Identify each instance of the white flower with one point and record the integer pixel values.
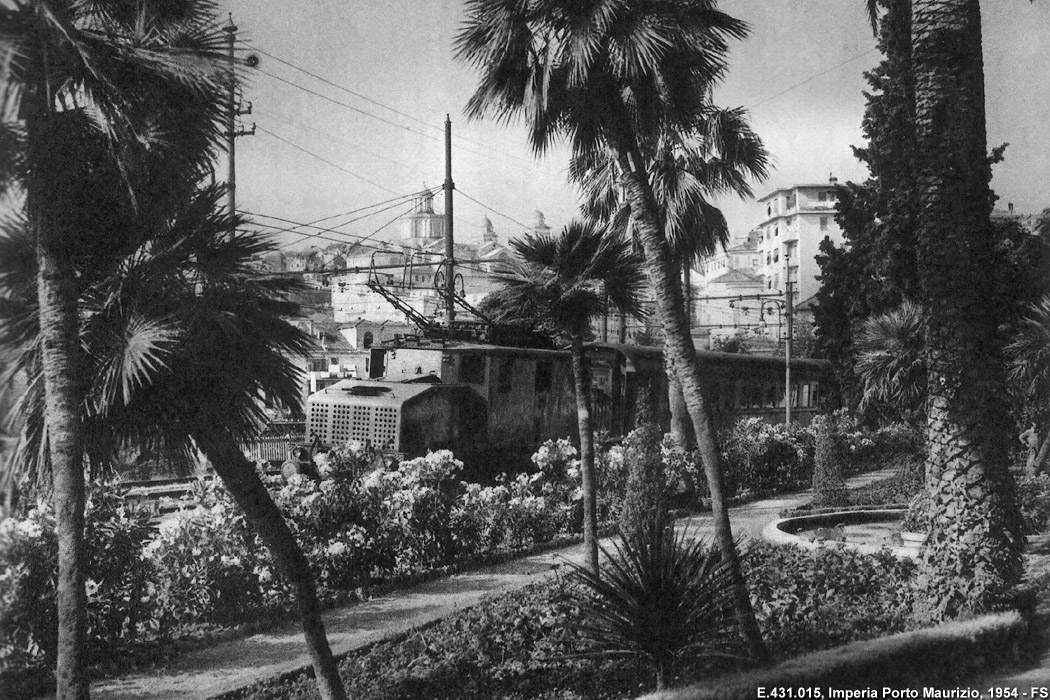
(228, 561)
(337, 549)
(30, 529)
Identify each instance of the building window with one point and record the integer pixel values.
(789, 220)
(333, 361)
(823, 223)
(367, 340)
(776, 231)
(318, 366)
(769, 258)
(822, 196)
(776, 255)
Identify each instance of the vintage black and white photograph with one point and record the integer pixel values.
(524, 349)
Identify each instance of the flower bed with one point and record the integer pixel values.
(523, 644)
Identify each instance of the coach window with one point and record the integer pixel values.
(805, 395)
(472, 369)
(506, 376)
(544, 370)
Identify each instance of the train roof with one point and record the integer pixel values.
(373, 392)
(633, 354)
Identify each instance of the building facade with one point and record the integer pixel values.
(797, 219)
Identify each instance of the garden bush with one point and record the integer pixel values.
(645, 503)
(118, 605)
(760, 457)
(814, 599)
(1033, 494)
(829, 464)
(207, 564)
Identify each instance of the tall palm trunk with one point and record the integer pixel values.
(57, 293)
(681, 428)
(974, 549)
(582, 382)
(678, 345)
(60, 346)
(240, 478)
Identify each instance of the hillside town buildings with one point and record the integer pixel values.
(743, 288)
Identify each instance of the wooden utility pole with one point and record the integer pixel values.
(450, 270)
(233, 110)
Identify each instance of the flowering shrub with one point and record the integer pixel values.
(758, 456)
(414, 505)
(209, 566)
(116, 578)
(28, 557)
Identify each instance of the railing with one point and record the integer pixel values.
(274, 448)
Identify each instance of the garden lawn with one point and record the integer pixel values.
(523, 644)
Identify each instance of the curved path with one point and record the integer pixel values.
(231, 665)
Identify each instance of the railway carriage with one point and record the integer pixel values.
(493, 405)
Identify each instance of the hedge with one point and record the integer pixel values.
(945, 654)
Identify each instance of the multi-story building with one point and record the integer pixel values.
(742, 288)
(797, 219)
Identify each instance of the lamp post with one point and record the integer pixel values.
(787, 340)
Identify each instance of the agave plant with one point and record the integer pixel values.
(660, 598)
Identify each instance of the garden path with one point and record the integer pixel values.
(230, 665)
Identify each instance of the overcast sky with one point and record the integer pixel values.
(367, 125)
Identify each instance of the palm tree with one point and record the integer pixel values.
(1029, 374)
(618, 76)
(89, 87)
(720, 158)
(970, 560)
(890, 362)
(564, 282)
(187, 345)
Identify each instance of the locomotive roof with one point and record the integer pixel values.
(374, 392)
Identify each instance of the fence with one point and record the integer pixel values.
(272, 448)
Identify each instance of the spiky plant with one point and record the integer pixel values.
(660, 598)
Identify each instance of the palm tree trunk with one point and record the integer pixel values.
(678, 346)
(60, 347)
(968, 561)
(587, 472)
(680, 425)
(240, 478)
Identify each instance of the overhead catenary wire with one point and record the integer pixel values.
(358, 238)
(325, 160)
(276, 229)
(373, 101)
(494, 211)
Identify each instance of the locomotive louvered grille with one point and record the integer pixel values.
(341, 423)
